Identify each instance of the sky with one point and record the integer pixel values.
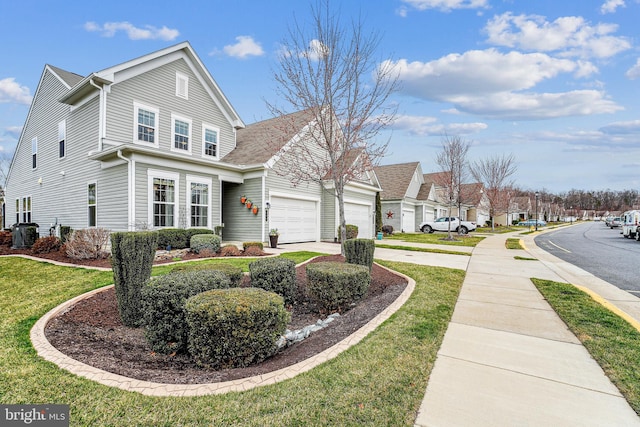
(554, 83)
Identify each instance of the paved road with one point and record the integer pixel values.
(599, 250)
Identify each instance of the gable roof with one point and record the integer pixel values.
(69, 78)
(128, 69)
(471, 193)
(395, 179)
(259, 142)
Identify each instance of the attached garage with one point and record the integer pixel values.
(295, 219)
(360, 215)
(408, 220)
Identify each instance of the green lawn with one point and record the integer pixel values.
(437, 238)
(513, 243)
(380, 381)
(611, 340)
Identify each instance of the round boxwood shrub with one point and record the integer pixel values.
(234, 273)
(234, 327)
(276, 275)
(163, 301)
(336, 285)
(202, 242)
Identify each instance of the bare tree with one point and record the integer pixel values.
(494, 173)
(329, 71)
(452, 161)
(5, 164)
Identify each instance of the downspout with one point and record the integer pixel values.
(130, 195)
(101, 115)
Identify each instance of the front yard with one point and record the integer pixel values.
(380, 381)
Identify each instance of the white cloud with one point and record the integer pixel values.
(478, 72)
(634, 72)
(447, 5)
(610, 6)
(245, 46)
(13, 131)
(428, 126)
(149, 32)
(569, 36)
(12, 92)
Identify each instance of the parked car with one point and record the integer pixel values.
(442, 224)
(615, 222)
(532, 223)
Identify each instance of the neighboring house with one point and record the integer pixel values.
(399, 197)
(152, 143)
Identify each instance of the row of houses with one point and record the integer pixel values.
(153, 142)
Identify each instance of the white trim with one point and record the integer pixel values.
(174, 118)
(62, 127)
(94, 182)
(293, 196)
(155, 173)
(181, 77)
(193, 179)
(156, 137)
(176, 163)
(205, 127)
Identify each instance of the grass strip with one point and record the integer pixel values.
(437, 238)
(415, 249)
(524, 258)
(610, 340)
(512, 243)
(380, 381)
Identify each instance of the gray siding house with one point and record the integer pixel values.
(152, 143)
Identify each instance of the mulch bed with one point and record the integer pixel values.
(91, 332)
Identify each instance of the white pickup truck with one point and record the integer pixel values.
(442, 224)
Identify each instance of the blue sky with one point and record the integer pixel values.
(556, 83)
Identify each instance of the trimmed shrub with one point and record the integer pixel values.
(336, 285)
(351, 230)
(177, 238)
(132, 255)
(387, 229)
(89, 243)
(45, 245)
(276, 275)
(194, 231)
(201, 242)
(360, 251)
(253, 251)
(230, 250)
(234, 273)
(162, 302)
(6, 238)
(246, 245)
(234, 327)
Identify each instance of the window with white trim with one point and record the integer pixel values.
(17, 211)
(146, 125)
(199, 201)
(182, 85)
(92, 204)
(62, 136)
(210, 141)
(26, 209)
(34, 152)
(163, 197)
(181, 134)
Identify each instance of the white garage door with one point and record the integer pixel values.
(359, 215)
(408, 220)
(296, 220)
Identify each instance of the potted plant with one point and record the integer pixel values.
(243, 199)
(273, 237)
(255, 210)
(248, 204)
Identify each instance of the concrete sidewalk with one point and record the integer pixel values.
(507, 359)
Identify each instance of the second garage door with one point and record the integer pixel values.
(408, 220)
(295, 219)
(359, 215)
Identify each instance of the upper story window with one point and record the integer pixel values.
(62, 136)
(210, 141)
(34, 152)
(182, 85)
(181, 134)
(146, 124)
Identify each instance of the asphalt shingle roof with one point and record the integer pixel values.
(395, 179)
(69, 78)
